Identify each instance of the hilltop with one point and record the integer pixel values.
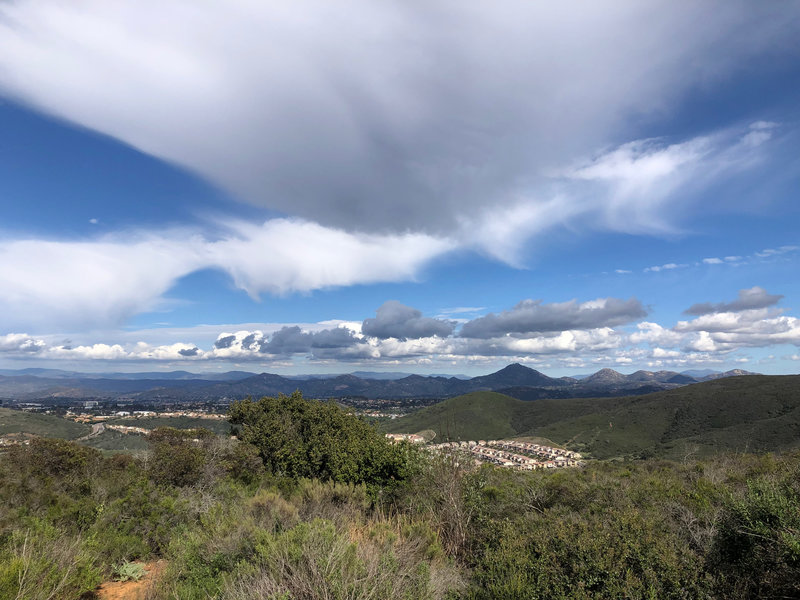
(746, 413)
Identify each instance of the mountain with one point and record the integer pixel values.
(379, 375)
(157, 375)
(698, 373)
(515, 375)
(732, 373)
(605, 377)
(741, 413)
(182, 386)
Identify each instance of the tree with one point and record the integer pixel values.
(301, 438)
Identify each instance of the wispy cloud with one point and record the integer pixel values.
(733, 260)
(666, 267)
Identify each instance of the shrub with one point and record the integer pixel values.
(299, 438)
(43, 563)
(178, 456)
(315, 560)
(757, 549)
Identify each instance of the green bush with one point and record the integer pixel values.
(757, 550)
(43, 563)
(316, 560)
(564, 556)
(299, 438)
(178, 456)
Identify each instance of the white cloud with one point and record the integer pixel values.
(654, 334)
(21, 343)
(285, 255)
(105, 281)
(49, 283)
(709, 339)
(770, 252)
(384, 157)
(712, 261)
(389, 116)
(666, 267)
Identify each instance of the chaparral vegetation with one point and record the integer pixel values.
(308, 501)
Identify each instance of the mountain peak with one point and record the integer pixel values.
(606, 376)
(516, 368)
(515, 375)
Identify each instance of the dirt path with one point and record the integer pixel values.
(132, 590)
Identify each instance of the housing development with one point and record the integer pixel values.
(515, 454)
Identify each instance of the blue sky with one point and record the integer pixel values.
(389, 187)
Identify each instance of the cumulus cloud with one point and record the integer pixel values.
(563, 342)
(292, 340)
(531, 316)
(395, 320)
(224, 341)
(749, 299)
(21, 342)
(569, 334)
(655, 335)
(386, 116)
(748, 322)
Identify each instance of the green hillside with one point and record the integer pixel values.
(753, 413)
(216, 425)
(17, 421)
(473, 416)
(115, 441)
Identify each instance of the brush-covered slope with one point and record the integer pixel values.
(17, 421)
(473, 416)
(753, 413)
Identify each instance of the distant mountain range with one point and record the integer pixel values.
(514, 380)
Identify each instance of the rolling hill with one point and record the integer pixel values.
(17, 421)
(746, 413)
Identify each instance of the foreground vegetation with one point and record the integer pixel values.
(313, 503)
(755, 413)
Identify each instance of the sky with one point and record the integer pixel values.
(428, 187)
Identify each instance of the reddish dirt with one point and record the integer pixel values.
(131, 590)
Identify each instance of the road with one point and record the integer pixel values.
(97, 429)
